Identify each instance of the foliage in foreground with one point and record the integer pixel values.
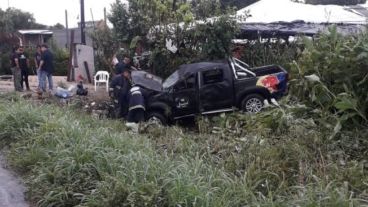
(332, 75)
(69, 159)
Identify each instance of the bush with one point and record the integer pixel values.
(5, 63)
(7, 42)
(61, 59)
(331, 74)
(277, 51)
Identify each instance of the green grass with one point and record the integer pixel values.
(71, 159)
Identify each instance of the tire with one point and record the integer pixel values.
(155, 117)
(252, 103)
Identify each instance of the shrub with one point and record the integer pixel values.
(276, 51)
(61, 59)
(331, 75)
(7, 42)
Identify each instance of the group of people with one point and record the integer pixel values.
(20, 67)
(129, 97)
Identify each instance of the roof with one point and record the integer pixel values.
(266, 11)
(286, 29)
(35, 32)
(197, 67)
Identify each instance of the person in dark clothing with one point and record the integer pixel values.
(46, 67)
(24, 67)
(119, 90)
(122, 66)
(136, 109)
(15, 68)
(37, 61)
(136, 105)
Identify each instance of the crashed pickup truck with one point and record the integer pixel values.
(210, 88)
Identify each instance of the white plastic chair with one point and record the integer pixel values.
(102, 77)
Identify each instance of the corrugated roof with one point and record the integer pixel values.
(35, 31)
(266, 11)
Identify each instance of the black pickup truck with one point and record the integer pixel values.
(212, 87)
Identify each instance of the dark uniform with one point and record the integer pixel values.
(17, 78)
(119, 88)
(136, 105)
(23, 64)
(121, 67)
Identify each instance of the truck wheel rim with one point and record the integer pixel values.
(253, 105)
(154, 120)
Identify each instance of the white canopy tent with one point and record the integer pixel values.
(266, 11)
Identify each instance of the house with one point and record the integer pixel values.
(32, 38)
(61, 39)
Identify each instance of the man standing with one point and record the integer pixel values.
(46, 67)
(16, 69)
(37, 61)
(119, 87)
(24, 67)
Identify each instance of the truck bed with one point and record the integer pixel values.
(267, 70)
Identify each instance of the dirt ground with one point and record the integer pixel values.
(100, 95)
(11, 188)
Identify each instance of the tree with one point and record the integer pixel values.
(57, 26)
(159, 22)
(13, 19)
(105, 45)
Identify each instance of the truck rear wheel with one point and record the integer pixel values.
(156, 118)
(252, 103)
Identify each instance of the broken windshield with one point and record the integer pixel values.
(171, 80)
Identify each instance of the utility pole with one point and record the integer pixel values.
(66, 29)
(82, 24)
(105, 19)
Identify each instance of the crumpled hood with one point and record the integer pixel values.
(147, 80)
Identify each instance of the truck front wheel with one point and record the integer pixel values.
(156, 118)
(252, 103)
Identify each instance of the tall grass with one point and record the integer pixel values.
(69, 159)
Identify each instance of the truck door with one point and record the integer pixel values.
(215, 90)
(185, 95)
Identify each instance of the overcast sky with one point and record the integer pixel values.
(50, 12)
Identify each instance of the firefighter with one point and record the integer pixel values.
(119, 91)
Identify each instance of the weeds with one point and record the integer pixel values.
(69, 159)
(331, 75)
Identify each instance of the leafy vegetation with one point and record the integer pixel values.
(260, 52)
(174, 23)
(331, 75)
(13, 19)
(287, 156)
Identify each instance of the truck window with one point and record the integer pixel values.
(213, 76)
(188, 83)
(191, 82)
